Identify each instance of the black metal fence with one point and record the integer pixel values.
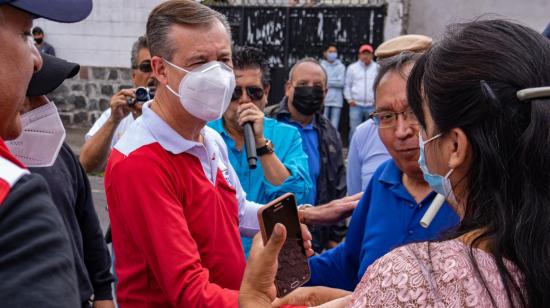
(295, 2)
(289, 33)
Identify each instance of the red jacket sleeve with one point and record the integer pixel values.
(147, 206)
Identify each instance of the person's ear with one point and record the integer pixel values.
(134, 76)
(266, 96)
(288, 88)
(267, 88)
(159, 69)
(460, 148)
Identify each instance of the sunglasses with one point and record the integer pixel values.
(254, 93)
(145, 66)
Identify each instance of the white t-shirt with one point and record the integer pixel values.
(120, 130)
(359, 82)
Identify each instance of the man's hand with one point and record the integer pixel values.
(119, 104)
(249, 112)
(258, 286)
(330, 213)
(307, 237)
(103, 304)
(310, 296)
(352, 103)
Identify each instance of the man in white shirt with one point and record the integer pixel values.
(114, 122)
(358, 89)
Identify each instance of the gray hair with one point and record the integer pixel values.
(395, 64)
(181, 12)
(138, 45)
(307, 60)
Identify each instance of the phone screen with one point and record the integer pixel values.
(293, 270)
(286, 213)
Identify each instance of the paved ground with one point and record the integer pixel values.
(100, 201)
(75, 138)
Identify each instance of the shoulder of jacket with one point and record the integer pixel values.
(10, 173)
(271, 111)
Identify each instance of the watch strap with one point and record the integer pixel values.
(266, 149)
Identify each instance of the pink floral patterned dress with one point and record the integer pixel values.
(437, 274)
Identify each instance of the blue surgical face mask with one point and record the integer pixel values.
(440, 184)
(332, 56)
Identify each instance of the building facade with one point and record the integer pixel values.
(101, 44)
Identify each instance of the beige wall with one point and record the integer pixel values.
(430, 17)
(105, 38)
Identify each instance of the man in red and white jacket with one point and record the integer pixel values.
(176, 206)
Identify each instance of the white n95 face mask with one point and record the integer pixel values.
(205, 92)
(41, 138)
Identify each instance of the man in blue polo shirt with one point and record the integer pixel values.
(397, 196)
(282, 163)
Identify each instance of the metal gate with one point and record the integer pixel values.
(289, 33)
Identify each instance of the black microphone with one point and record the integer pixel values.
(250, 144)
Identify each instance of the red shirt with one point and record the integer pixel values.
(175, 234)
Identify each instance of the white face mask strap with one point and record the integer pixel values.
(171, 90)
(181, 69)
(212, 66)
(449, 173)
(434, 137)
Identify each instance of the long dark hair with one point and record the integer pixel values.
(469, 80)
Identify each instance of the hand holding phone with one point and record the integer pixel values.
(293, 268)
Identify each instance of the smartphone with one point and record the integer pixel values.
(293, 270)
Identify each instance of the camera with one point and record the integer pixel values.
(143, 95)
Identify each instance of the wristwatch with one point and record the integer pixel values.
(266, 149)
(305, 206)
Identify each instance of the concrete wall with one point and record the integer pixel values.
(430, 17)
(396, 20)
(101, 44)
(105, 38)
(81, 99)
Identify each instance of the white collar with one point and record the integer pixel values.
(165, 135)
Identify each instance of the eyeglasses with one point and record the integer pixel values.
(387, 119)
(255, 93)
(145, 66)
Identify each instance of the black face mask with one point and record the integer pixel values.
(308, 100)
(39, 40)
